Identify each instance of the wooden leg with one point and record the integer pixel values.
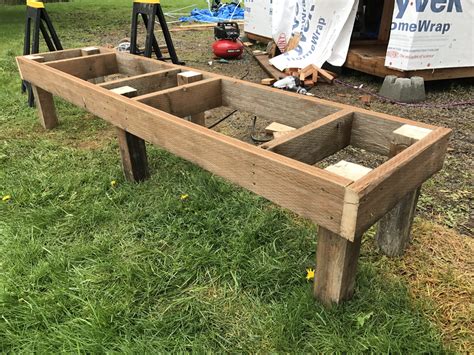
(134, 159)
(132, 148)
(46, 108)
(393, 233)
(336, 267)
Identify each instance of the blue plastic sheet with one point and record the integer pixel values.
(226, 12)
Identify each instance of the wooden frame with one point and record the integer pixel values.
(156, 97)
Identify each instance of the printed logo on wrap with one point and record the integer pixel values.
(325, 28)
(430, 34)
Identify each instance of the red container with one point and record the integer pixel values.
(227, 49)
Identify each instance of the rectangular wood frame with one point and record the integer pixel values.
(160, 95)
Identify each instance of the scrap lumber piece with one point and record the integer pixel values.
(325, 74)
(394, 229)
(268, 81)
(132, 148)
(278, 127)
(264, 62)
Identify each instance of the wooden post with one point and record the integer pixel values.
(46, 109)
(189, 77)
(132, 148)
(44, 101)
(336, 267)
(393, 232)
(337, 257)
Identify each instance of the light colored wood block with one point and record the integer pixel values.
(278, 127)
(127, 91)
(349, 170)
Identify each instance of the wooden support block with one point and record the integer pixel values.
(46, 109)
(336, 267)
(394, 229)
(189, 77)
(349, 170)
(279, 134)
(268, 81)
(90, 50)
(132, 148)
(36, 58)
(278, 127)
(127, 91)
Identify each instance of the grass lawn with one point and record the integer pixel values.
(88, 267)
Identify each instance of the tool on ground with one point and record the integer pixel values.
(291, 83)
(149, 10)
(38, 18)
(227, 44)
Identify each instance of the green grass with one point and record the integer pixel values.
(87, 267)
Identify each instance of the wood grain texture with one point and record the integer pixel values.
(386, 20)
(344, 202)
(266, 102)
(189, 77)
(87, 67)
(336, 267)
(46, 109)
(296, 186)
(147, 83)
(317, 140)
(370, 58)
(381, 189)
(186, 100)
(128, 64)
(133, 155)
(394, 229)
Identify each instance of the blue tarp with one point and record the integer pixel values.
(225, 13)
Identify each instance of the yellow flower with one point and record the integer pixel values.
(309, 274)
(184, 197)
(6, 198)
(113, 183)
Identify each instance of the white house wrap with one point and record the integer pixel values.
(431, 34)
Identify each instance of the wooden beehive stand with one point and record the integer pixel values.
(163, 104)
